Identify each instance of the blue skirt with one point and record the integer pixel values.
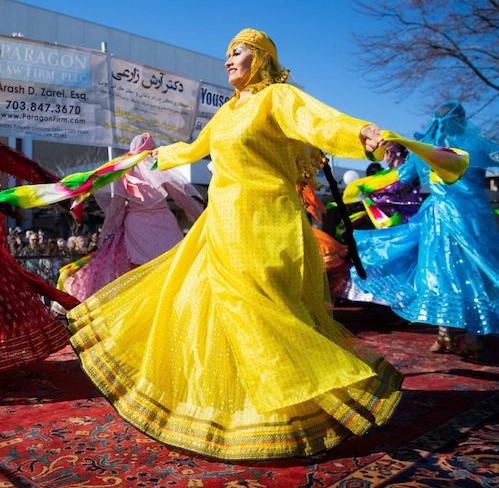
(441, 268)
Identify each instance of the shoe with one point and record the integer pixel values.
(442, 345)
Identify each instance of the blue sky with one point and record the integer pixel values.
(313, 38)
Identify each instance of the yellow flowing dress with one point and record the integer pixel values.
(223, 345)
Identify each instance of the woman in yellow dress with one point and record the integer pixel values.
(223, 345)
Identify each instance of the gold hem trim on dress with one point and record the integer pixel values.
(295, 436)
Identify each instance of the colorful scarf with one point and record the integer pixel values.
(70, 269)
(77, 185)
(379, 219)
(358, 189)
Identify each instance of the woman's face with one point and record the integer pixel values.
(238, 66)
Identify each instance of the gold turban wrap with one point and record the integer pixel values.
(254, 38)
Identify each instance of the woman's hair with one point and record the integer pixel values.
(265, 71)
(397, 148)
(373, 168)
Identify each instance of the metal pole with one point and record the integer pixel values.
(110, 149)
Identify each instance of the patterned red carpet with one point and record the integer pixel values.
(56, 431)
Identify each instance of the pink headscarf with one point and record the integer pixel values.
(142, 142)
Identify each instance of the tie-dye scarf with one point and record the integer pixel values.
(77, 186)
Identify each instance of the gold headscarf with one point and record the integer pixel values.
(254, 38)
(265, 68)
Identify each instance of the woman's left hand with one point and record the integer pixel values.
(370, 135)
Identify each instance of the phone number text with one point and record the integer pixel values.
(54, 108)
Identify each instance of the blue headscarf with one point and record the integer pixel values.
(450, 128)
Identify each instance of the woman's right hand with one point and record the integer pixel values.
(370, 135)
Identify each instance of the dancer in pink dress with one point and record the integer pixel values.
(139, 224)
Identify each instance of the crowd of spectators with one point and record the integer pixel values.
(44, 255)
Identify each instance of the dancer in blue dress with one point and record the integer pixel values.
(442, 267)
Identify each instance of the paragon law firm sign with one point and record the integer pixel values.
(49, 92)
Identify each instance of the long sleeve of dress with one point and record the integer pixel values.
(303, 117)
(184, 153)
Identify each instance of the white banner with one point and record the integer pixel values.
(152, 100)
(211, 98)
(50, 92)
